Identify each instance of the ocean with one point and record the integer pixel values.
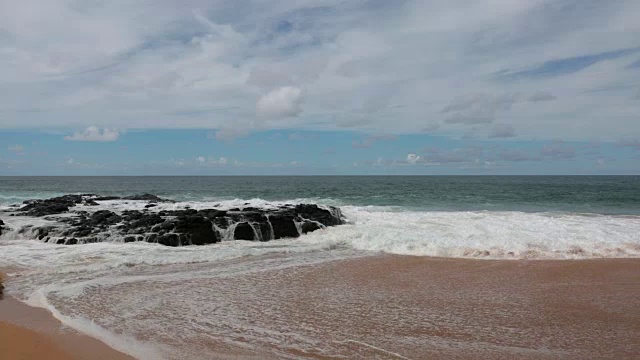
(123, 292)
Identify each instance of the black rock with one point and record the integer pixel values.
(147, 221)
(244, 231)
(106, 198)
(309, 226)
(313, 212)
(172, 227)
(42, 209)
(198, 230)
(104, 217)
(168, 240)
(283, 226)
(212, 213)
(146, 197)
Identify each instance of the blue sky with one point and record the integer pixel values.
(319, 87)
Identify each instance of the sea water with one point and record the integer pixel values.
(119, 292)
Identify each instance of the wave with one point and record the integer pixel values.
(396, 230)
(491, 234)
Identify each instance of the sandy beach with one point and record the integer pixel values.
(403, 307)
(28, 333)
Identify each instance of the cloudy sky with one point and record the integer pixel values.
(319, 87)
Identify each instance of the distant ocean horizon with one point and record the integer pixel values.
(601, 194)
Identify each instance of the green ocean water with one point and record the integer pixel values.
(581, 194)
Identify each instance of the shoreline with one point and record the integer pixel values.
(28, 332)
(395, 306)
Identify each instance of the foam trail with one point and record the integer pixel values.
(137, 349)
(374, 347)
(487, 234)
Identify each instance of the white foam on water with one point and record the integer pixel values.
(489, 234)
(127, 345)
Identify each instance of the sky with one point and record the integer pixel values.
(258, 87)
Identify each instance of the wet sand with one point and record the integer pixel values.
(28, 333)
(400, 307)
(403, 307)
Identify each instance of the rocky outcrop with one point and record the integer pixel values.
(80, 225)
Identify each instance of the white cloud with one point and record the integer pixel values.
(93, 133)
(365, 65)
(282, 102)
(413, 158)
(16, 148)
(230, 134)
(212, 160)
(222, 161)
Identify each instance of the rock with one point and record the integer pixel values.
(170, 227)
(146, 197)
(104, 217)
(309, 226)
(198, 230)
(283, 226)
(168, 240)
(265, 231)
(244, 231)
(323, 216)
(212, 213)
(147, 221)
(106, 198)
(42, 209)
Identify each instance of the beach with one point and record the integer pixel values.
(28, 333)
(405, 307)
(323, 267)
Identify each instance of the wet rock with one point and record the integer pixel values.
(43, 209)
(198, 230)
(168, 239)
(283, 226)
(106, 198)
(309, 226)
(212, 213)
(104, 217)
(147, 197)
(323, 216)
(243, 231)
(171, 227)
